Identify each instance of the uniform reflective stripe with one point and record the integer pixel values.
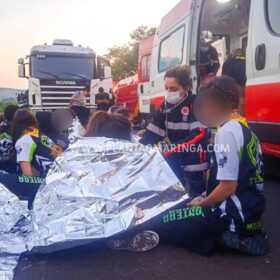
(223, 208)
(196, 167)
(232, 226)
(237, 203)
(197, 138)
(196, 125)
(178, 126)
(155, 129)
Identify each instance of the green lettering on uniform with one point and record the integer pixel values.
(166, 218)
(32, 180)
(186, 213)
(172, 215)
(26, 179)
(199, 211)
(254, 226)
(179, 214)
(183, 213)
(192, 212)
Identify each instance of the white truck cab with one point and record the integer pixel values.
(56, 71)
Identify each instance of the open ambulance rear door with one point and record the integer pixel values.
(262, 97)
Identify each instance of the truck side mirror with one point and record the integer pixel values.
(21, 71)
(107, 72)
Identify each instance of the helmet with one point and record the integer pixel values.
(206, 36)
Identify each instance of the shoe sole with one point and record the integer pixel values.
(142, 242)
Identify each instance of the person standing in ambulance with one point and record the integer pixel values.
(175, 124)
(209, 63)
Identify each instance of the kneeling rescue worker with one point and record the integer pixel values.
(175, 124)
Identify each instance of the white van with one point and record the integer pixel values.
(253, 25)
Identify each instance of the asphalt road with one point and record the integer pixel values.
(164, 262)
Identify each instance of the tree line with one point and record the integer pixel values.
(124, 58)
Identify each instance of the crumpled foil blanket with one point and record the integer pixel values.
(75, 131)
(98, 188)
(15, 225)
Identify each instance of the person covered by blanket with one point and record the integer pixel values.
(103, 124)
(230, 211)
(123, 111)
(184, 138)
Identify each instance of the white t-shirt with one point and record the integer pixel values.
(229, 142)
(38, 154)
(25, 147)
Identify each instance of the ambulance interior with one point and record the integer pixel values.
(228, 22)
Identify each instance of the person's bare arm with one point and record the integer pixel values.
(223, 191)
(26, 168)
(75, 99)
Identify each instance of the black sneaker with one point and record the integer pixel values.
(255, 245)
(141, 242)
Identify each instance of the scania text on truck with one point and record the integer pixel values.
(56, 71)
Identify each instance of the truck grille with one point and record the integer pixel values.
(58, 96)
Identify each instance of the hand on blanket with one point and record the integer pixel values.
(196, 201)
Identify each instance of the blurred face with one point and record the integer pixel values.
(62, 119)
(174, 91)
(210, 113)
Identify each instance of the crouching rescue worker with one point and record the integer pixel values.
(230, 212)
(175, 124)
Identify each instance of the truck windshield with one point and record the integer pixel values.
(62, 67)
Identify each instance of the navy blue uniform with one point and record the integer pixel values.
(7, 150)
(37, 149)
(187, 155)
(235, 67)
(24, 187)
(199, 228)
(243, 210)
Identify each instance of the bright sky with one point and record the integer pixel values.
(98, 24)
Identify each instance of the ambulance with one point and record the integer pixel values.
(144, 65)
(254, 26)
